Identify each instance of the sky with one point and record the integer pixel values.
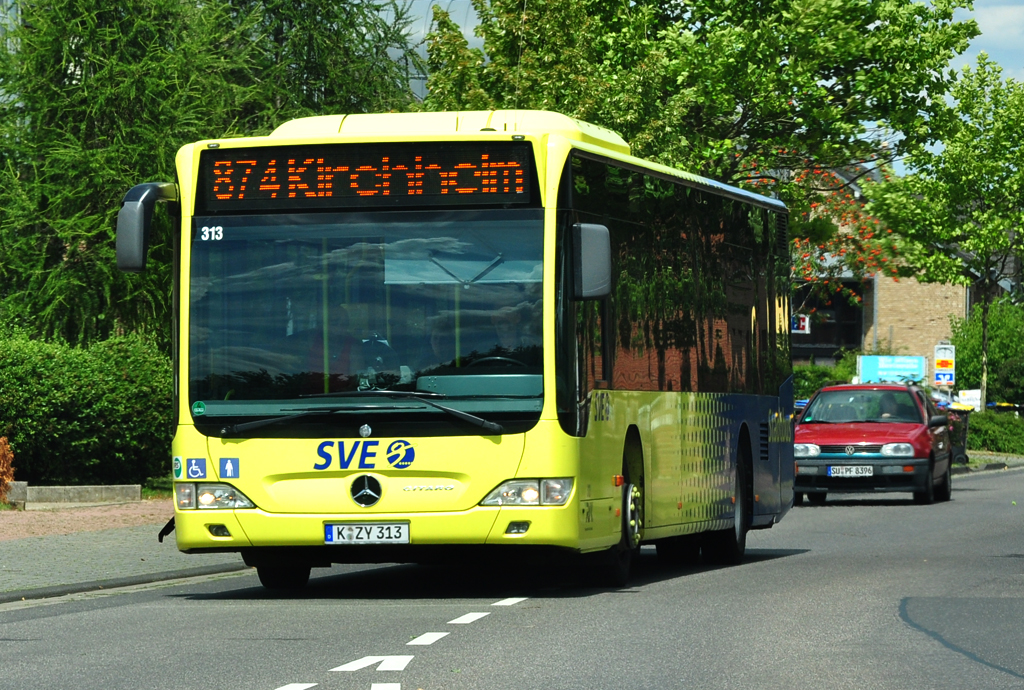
(1001, 23)
(1002, 35)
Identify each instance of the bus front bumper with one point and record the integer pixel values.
(251, 531)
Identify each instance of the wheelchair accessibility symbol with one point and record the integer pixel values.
(196, 468)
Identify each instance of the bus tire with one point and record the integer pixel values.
(283, 578)
(728, 546)
(612, 567)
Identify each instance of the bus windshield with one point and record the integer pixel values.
(287, 309)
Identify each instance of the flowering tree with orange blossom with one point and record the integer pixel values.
(834, 236)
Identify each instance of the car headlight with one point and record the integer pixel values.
(898, 450)
(530, 492)
(806, 450)
(210, 497)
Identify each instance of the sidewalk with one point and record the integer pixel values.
(35, 567)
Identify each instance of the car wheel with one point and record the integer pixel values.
(945, 490)
(927, 497)
(283, 577)
(817, 498)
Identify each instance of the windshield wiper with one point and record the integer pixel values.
(422, 396)
(233, 429)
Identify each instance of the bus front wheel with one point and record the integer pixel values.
(283, 578)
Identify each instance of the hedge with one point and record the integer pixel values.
(999, 432)
(96, 415)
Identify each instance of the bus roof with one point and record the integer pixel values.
(591, 137)
(463, 122)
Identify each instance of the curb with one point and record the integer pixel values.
(96, 585)
(990, 467)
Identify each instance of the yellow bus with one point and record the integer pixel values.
(410, 337)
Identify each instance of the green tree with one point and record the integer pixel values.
(960, 212)
(1005, 349)
(96, 96)
(746, 93)
(318, 58)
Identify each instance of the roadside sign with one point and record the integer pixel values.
(801, 323)
(971, 397)
(945, 365)
(895, 369)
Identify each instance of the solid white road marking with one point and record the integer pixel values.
(428, 638)
(299, 686)
(468, 618)
(386, 686)
(387, 663)
(509, 602)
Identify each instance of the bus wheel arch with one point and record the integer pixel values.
(635, 495)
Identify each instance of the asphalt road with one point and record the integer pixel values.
(863, 592)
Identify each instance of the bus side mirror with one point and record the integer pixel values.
(592, 261)
(134, 219)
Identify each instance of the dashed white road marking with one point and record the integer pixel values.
(428, 638)
(468, 618)
(386, 686)
(512, 601)
(387, 663)
(299, 686)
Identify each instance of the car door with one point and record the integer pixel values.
(939, 435)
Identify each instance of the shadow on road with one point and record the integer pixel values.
(470, 581)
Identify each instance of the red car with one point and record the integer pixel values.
(872, 437)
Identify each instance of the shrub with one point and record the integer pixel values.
(808, 378)
(999, 432)
(6, 469)
(97, 415)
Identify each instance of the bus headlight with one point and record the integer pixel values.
(210, 497)
(898, 450)
(806, 450)
(530, 492)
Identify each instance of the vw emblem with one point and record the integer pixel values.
(850, 450)
(366, 490)
(365, 430)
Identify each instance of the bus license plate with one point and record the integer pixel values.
(367, 533)
(851, 471)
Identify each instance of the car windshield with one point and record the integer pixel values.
(840, 406)
(287, 307)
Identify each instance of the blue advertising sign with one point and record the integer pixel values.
(890, 368)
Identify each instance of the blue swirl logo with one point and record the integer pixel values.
(400, 454)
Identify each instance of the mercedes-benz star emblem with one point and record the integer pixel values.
(366, 490)
(850, 450)
(365, 430)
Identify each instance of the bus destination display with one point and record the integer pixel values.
(361, 175)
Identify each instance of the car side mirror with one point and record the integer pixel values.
(938, 420)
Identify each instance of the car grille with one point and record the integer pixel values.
(858, 449)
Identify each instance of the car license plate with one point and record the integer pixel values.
(367, 533)
(851, 471)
